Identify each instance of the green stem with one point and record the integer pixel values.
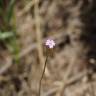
(42, 76)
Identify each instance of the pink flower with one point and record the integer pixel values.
(50, 43)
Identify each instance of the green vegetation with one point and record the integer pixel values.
(7, 28)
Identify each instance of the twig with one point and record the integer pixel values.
(38, 32)
(7, 66)
(27, 7)
(83, 88)
(67, 74)
(76, 78)
(92, 89)
(70, 81)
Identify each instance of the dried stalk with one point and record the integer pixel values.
(38, 32)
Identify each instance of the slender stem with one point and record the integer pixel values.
(42, 76)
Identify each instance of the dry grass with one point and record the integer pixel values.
(66, 73)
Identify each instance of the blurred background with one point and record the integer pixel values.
(25, 25)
